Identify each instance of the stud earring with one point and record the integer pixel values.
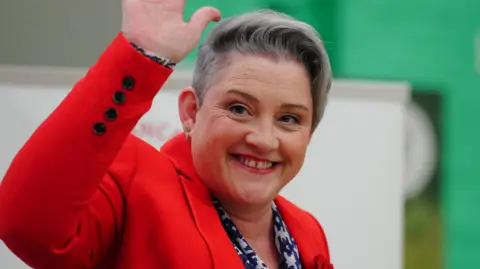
(187, 130)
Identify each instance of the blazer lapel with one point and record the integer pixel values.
(309, 251)
(204, 213)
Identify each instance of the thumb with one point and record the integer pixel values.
(200, 19)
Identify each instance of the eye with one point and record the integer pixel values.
(290, 119)
(238, 109)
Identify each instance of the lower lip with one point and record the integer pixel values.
(254, 170)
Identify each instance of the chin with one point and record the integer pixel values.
(253, 197)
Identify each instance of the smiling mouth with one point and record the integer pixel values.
(253, 163)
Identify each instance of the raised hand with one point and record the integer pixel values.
(158, 26)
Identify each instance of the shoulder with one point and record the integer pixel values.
(135, 150)
(137, 158)
(136, 153)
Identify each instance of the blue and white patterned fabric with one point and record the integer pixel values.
(286, 246)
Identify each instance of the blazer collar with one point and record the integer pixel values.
(178, 150)
(205, 216)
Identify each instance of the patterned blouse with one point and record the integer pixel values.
(286, 246)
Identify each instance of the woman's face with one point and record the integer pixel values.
(250, 136)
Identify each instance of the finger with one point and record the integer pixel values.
(181, 3)
(200, 19)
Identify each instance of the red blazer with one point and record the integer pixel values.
(85, 193)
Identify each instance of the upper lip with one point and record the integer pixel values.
(254, 158)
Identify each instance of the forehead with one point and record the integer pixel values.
(281, 80)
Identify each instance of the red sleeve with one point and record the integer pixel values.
(59, 207)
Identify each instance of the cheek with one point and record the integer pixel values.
(296, 148)
(216, 134)
(211, 144)
(216, 130)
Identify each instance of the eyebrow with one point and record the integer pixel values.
(253, 99)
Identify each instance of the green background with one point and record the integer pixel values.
(431, 44)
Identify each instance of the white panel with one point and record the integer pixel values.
(351, 180)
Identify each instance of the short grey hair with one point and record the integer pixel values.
(269, 34)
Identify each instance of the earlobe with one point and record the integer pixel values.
(187, 107)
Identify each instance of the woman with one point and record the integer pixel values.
(85, 193)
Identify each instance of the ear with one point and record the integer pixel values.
(188, 107)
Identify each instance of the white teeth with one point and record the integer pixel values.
(256, 164)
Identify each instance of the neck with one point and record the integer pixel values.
(254, 222)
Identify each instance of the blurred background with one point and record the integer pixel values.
(432, 44)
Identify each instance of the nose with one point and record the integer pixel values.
(263, 139)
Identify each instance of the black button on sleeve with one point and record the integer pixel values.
(99, 128)
(128, 83)
(119, 97)
(111, 114)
